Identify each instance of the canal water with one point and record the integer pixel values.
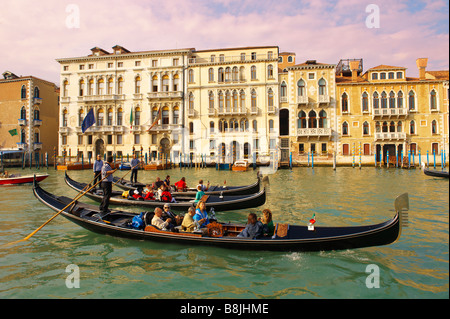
(416, 266)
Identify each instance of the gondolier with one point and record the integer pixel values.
(107, 177)
(97, 168)
(134, 168)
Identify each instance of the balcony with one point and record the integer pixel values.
(390, 112)
(22, 122)
(254, 110)
(37, 122)
(283, 99)
(271, 109)
(64, 130)
(21, 146)
(314, 132)
(389, 136)
(211, 111)
(37, 146)
(303, 99)
(137, 128)
(191, 112)
(37, 100)
(65, 99)
(165, 95)
(101, 98)
(323, 99)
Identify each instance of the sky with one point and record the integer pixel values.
(394, 32)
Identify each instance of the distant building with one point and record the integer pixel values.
(28, 115)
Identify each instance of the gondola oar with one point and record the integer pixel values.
(125, 174)
(79, 195)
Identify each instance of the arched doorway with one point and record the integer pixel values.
(99, 147)
(284, 122)
(165, 148)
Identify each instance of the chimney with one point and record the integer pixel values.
(421, 65)
(354, 66)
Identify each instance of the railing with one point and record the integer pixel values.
(37, 145)
(22, 122)
(389, 111)
(303, 99)
(390, 136)
(314, 131)
(165, 95)
(37, 122)
(323, 98)
(103, 97)
(234, 58)
(37, 100)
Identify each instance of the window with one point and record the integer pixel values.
(23, 113)
(270, 71)
(270, 98)
(109, 139)
(120, 86)
(399, 126)
(376, 101)
(91, 66)
(290, 59)
(109, 86)
(322, 87)
(271, 128)
(165, 115)
(36, 92)
(385, 127)
(242, 56)
(433, 102)
(176, 81)
(81, 88)
(383, 100)
(412, 127)
(253, 55)
(253, 100)
(399, 75)
(175, 62)
(235, 101)
(434, 127)
(301, 123)
(100, 117)
(283, 91)
(191, 101)
(311, 76)
(101, 87)
(411, 100)
(228, 74)
(120, 64)
(80, 117)
(91, 87)
(234, 125)
(211, 102)
(119, 139)
(220, 102)
(136, 63)
(365, 128)
(137, 116)
(110, 65)
(382, 76)
(191, 128)
(211, 127)
(119, 116)
(137, 84)
(221, 58)
(301, 88)
(324, 147)
(269, 55)
(64, 118)
(400, 99)
(213, 58)
(392, 127)
(365, 102)
(345, 129)
(81, 67)
(244, 125)
(80, 139)
(235, 74)
(137, 138)
(155, 83)
(255, 125)
(391, 100)
(344, 102)
(221, 76)
(165, 84)
(154, 63)
(242, 100)
(322, 119)
(64, 90)
(312, 122)
(110, 117)
(191, 76)
(211, 75)
(176, 115)
(253, 72)
(391, 75)
(242, 73)
(227, 101)
(374, 76)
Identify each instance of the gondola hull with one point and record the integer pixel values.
(298, 238)
(219, 203)
(435, 173)
(22, 179)
(213, 190)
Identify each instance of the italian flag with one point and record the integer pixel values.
(131, 118)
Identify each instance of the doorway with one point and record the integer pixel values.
(284, 122)
(99, 147)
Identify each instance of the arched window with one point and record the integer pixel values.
(155, 83)
(412, 127)
(399, 126)
(434, 129)
(376, 101)
(64, 118)
(120, 86)
(235, 101)
(110, 86)
(383, 100)
(391, 100)
(81, 87)
(211, 75)
(137, 84)
(345, 128)
(211, 127)
(137, 116)
(344, 102)
(385, 127)
(234, 125)
(65, 88)
(242, 100)
(365, 128)
(411, 100)
(91, 87)
(191, 102)
(253, 72)
(283, 92)
(211, 101)
(100, 117)
(191, 76)
(165, 115)
(36, 92)
(322, 87)
(220, 102)
(235, 74)
(244, 125)
(365, 102)
(312, 121)
(301, 88)
(221, 76)
(23, 113)
(176, 115)
(301, 123)
(23, 92)
(23, 137)
(322, 119)
(377, 127)
(253, 100)
(154, 114)
(242, 73)
(36, 114)
(271, 128)
(165, 83)
(227, 101)
(392, 126)
(119, 116)
(176, 82)
(255, 125)
(227, 74)
(270, 98)
(433, 101)
(101, 86)
(399, 99)
(110, 117)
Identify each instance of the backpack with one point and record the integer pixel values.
(137, 222)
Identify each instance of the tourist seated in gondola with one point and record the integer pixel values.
(267, 222)
(157, 184)
(199, 194)
(188, 223)
(204, 188)
(167, 181)
(254, 228)
(201, 215)
(147, 193)
(159, 222)
(167, 213)
(181, 185)
(166, 196)
(137, 195)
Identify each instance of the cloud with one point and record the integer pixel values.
(35, 35)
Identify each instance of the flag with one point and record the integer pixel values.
(313, 219)
(13, 132)
(131, 118)
(88, 121)
(158, 116)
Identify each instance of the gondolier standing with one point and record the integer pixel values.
(134, 168)
(107, 177)
(97, 168)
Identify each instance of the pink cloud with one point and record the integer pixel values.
(326, 31)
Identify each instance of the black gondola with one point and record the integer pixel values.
(213, 190)
(435, 173)
(218, 202)
(287, 237)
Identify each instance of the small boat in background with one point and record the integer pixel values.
(240, 166)
(19, 179)
(433, 172)
(125, 166)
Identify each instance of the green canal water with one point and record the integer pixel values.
(416, 266)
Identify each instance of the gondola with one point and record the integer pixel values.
(435, 173)
(213, 190)
(286, 238)
(218, 202)
(17, 179)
